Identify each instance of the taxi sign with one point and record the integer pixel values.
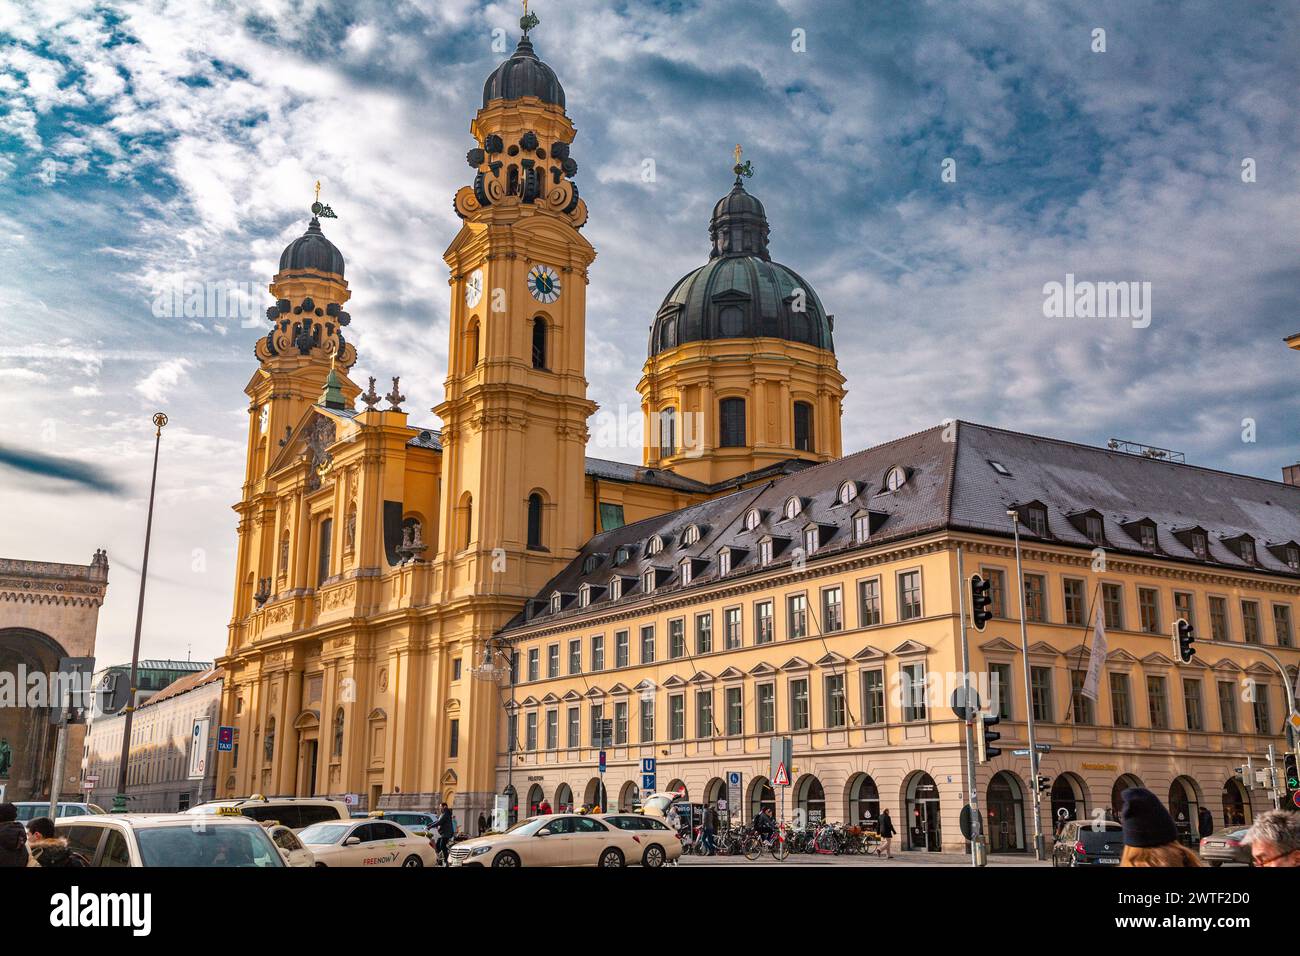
(228, 812)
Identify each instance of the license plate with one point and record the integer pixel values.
(1213, 843)
(1107, 860)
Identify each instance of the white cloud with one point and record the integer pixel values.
(157, 385)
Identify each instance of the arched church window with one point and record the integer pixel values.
(535, 522)
(539, 343)
(668, 432)
(803, 426)
(731, 417)
(731, 322)
(338, 732)
(668, 333)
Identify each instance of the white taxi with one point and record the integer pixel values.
(568, 839)
(366, 843)
(293, 850)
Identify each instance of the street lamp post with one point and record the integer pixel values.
(1039, 854)
(489, 670)
(119, 799)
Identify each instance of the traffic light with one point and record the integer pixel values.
(1292, 777)
(1044, 784)
(984, 737)
(980, 601)
(1184, 638)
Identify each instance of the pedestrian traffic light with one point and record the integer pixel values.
(1184, 638)
(980, 601)
(1290, 773)
(984, 737)
(1044, 784)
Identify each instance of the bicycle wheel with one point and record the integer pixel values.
(752, 848)
(780, 848)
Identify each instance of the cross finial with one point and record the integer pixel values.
(528, 20)
(318, 183)
(736, 152)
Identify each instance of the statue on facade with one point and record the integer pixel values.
(6, 758)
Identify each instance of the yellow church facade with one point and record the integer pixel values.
(406, 595)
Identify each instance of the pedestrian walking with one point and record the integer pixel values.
(13, 838)
(446, 827)
(1205, 821)
(1275, 839)
(482, 824)
(887, 832)
(1150, 834)
(708, 827)
(48, 848)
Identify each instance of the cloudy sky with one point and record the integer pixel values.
(144, 144)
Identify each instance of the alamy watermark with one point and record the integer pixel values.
(1084, 299)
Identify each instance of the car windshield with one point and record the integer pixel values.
(207, 846)
(322, 834)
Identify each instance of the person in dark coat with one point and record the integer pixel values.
(13, 837)
(1150, 834)
(48, 848)
(1205, 821)
(482, 824)
(887, 832)
(446, 827)
(708, 827)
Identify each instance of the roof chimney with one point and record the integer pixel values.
(1291, 474)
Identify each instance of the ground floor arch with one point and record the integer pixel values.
(1124, 781)
(1236, 805)
(679, 788)
(564, 798)
(761, 797)
(629, 797)
(1069, 799)
(921, 801)
(715, 790)
(810, 800)
(594, 794)
(1005, 813)
(536, 798)
(863, 801)
(1185, 808)
(27, 738)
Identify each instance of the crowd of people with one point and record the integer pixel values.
(37, 844)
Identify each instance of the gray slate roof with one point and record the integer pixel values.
(950, 485)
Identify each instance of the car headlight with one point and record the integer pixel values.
(479, 850)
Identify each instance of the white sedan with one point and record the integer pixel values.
(366, 843)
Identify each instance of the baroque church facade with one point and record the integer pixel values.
(455, 613)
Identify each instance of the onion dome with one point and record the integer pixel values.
(312, 251)
(740, 292)
(524, 75)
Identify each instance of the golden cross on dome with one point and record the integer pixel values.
(318, 185)
(736, 152)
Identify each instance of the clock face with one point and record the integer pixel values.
(544, 283)
(474, 288)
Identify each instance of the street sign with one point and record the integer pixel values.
(781, 778)
(225, 739)
(782, 755)
(199, 748)
(602, 761)
(733, 788)
(1295, 720)
(1295, 798)
(647, 764)
(647, 783)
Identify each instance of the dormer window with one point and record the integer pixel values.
(1293, 557)
(862, 527)
(753, 520)
(848, 491)
(648, 580)
(589, 563)
(1246, 548)
(584, 595)
(615, 588)
(1200, 545)
(690, 536)
(557, 602)
(895, 478)
(1094, 529)
(1000, 468)
(724, 561)
(811, 539)
(622, 554)
(1147, 536)
(765, 552)
(1035, 519)
(793, 508)
(686, 570)
(655, 546)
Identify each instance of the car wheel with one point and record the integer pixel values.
(1216, 863)
(611, 857)
(320, 864)
(412, 860)
(654, 856)
(506, 858)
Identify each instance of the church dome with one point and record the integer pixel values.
(524, 75)
(312, 251)
(740, 292)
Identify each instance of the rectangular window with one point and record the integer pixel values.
(1228, 706)
(799, 704)
(326, 537)
(731, 415)
(724, 562)
(766, 694)
(704, 713)
(1094, 529)
(455, 669)
(1035, 598)
(912, 685)
(648, 644)
(873, 696)
(861, 528)
(735, 711)
(453, 739)
(647, 720)
(832, 610)
(1263, 723)
(676, 717)
(1219, 619)
(869, 602)
(598, 740)
(620, 723)
(765, 552)
(997, 591)
(703, 633)
(836, 716)
(552, 729)
(1250, 622)
(1083, 712)
(796, 609)
(575, 724)
(1282, 624)
(1000, 688)
(1075, 605)
(1149, 609)
(676, 640)
(575, 656)
(1192, 703)
(553, 661)
(763, 622)
(1157, 703)
(1112, 602)
(1040, 692)
(811, 538)
(734, 627)
(1185, 607)
(534, 663)
(687, 571)
(530, 732)
(909, 595)
(1121, 703)
(598, 652)
(622, 649)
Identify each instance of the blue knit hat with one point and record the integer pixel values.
(1145, 819)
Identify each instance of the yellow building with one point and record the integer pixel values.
(745, 581)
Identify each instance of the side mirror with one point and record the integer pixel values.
(544, 832)
(352, 841)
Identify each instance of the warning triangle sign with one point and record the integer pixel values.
(782, 776)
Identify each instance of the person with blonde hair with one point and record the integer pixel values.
(1150, 835)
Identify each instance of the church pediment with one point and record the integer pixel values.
(317, 430)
